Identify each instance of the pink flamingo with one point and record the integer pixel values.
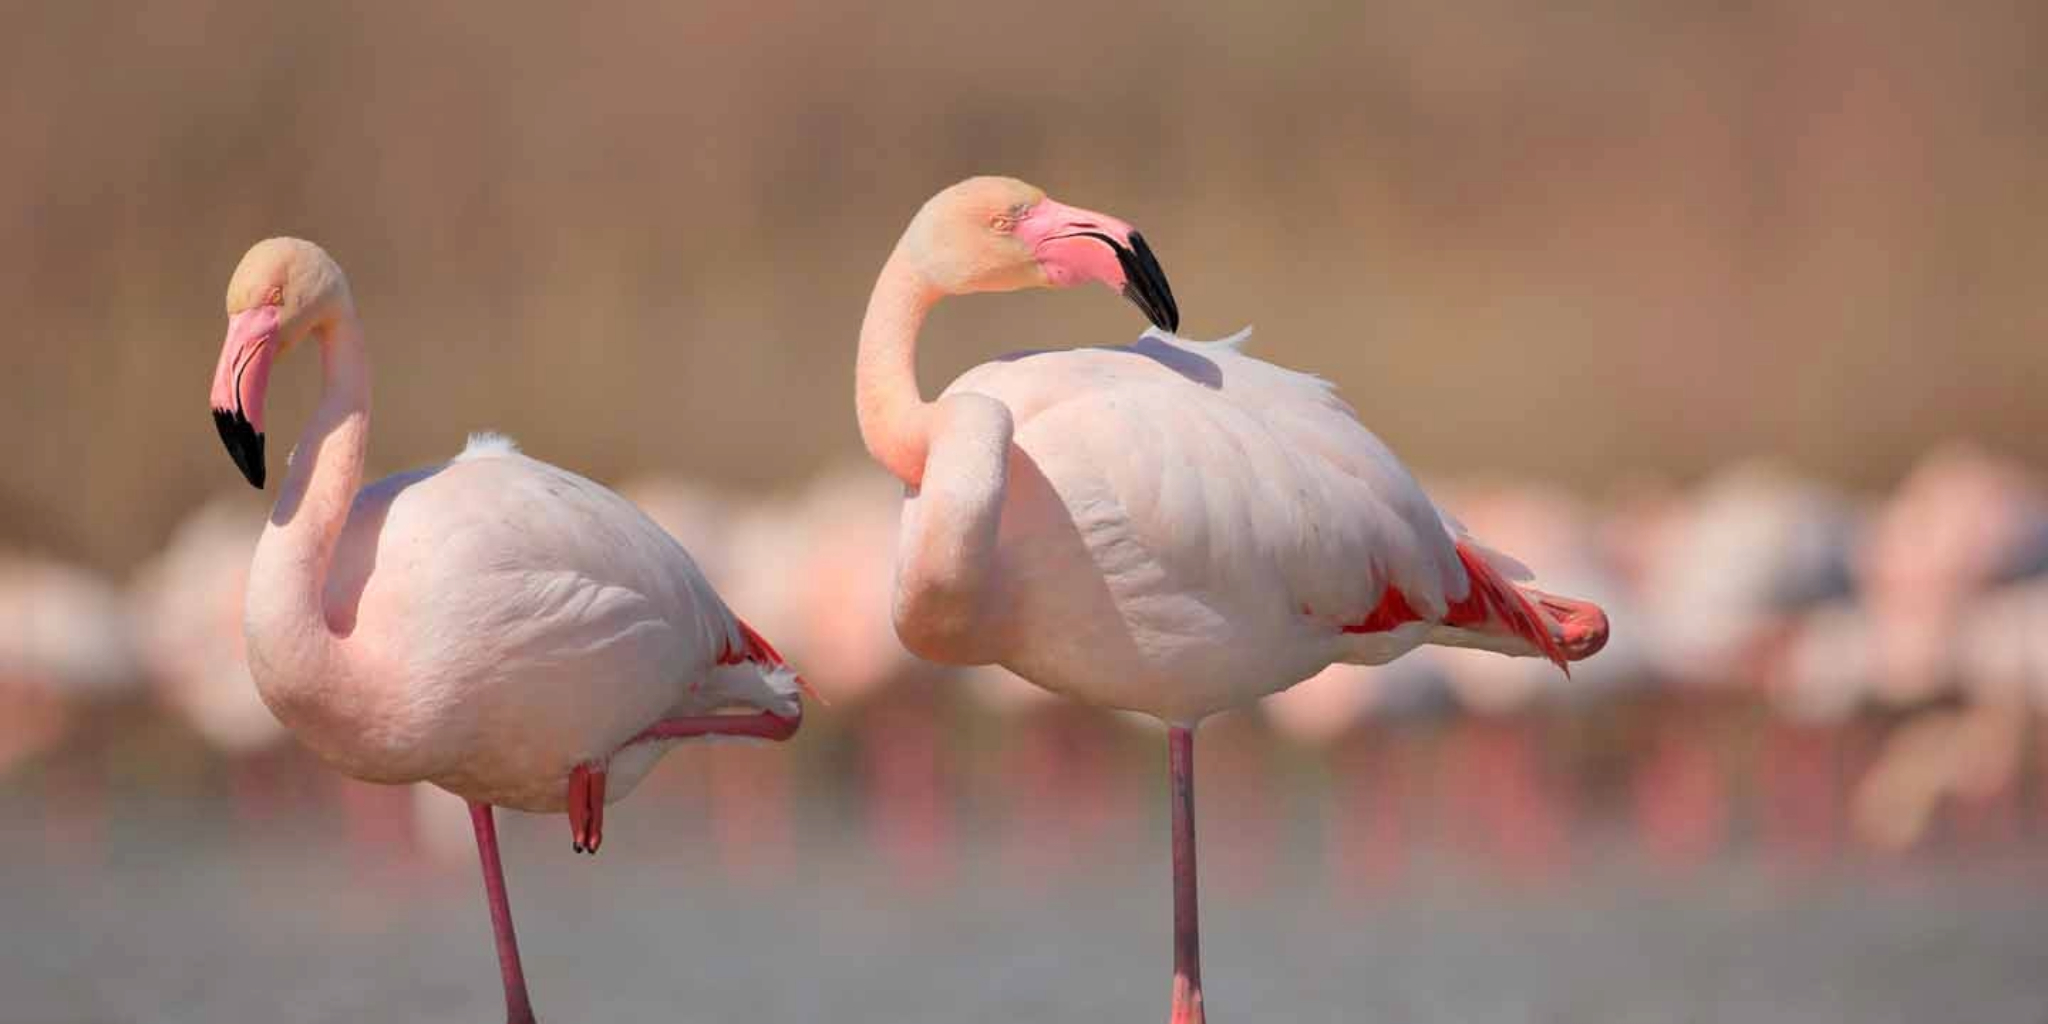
(1366, 813)
(2004, 664)
(745, 791)
(500, 627)
(1524, 814)
(888, 695)
(1723, 577)
(1820, 678)
(1959, 525)
(1059, 794)
(702, 519)
(66, 648)
(1731, 565)
(37, 706)
(1169, 527)
(188, 604)
(1962, 527)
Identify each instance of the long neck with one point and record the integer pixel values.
(288, 617)
(895, 420)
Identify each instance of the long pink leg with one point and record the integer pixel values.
(1187, 937)
(518, 1008)
(765, 725)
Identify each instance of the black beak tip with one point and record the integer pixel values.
(244, 444)
(1145, 284)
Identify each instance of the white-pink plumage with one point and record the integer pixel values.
(1171, 527)
(188, 606)
(1559, 533)
(1732, 563)
(498, 626)
(66, 640)
(1962, 523)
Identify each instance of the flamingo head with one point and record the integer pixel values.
(283, 289)
(993, 234)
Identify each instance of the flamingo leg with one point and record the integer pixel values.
(586, 781)
(766, 725)
(1187, 938)
(518, 1008)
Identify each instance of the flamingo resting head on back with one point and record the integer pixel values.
(1169, 527)
(502, 628)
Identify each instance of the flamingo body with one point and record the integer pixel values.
(516, 620)
(1168, 527)
(501, 627)
(1186, 528)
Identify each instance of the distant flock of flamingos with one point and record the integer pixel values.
(1169, 528)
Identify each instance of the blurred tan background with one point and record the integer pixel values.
(1736, 278)
(1623, 240)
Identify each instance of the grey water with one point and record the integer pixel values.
(175, 913)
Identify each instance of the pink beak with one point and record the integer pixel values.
(1075, 245)
(239, 383)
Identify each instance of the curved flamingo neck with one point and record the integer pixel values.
(895, 420)
(287, 619)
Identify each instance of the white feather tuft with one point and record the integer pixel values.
(487, 444)
(1507, 565)
(754, 685)
(1234, 342)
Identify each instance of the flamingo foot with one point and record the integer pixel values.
(586, 808)
(1187, 1002)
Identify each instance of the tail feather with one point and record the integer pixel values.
(1492, 600)
(1494, 608)
(755, 648)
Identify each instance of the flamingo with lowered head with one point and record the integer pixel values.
(495, 625)
(1169, 527)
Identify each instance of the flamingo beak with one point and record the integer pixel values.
(240, 381)
(1075, 245)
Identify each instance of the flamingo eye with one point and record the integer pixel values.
(1006, 221)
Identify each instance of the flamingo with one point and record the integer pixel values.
(53, 621)
(1962, 523)
(1169, 527)
(745, 796)
(812, 564)
(1965, 526)
(503, 628)
(66, 647)
(700, 518)
(849, 542)
(188, 603)
(2004, 661)
(1818, 681)
(1053, 778)
(1497, 771)
(1723, 578)
(1366, 810)
(1723, 574)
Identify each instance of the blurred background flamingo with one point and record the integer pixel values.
(1772, 241)
(68, 665)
